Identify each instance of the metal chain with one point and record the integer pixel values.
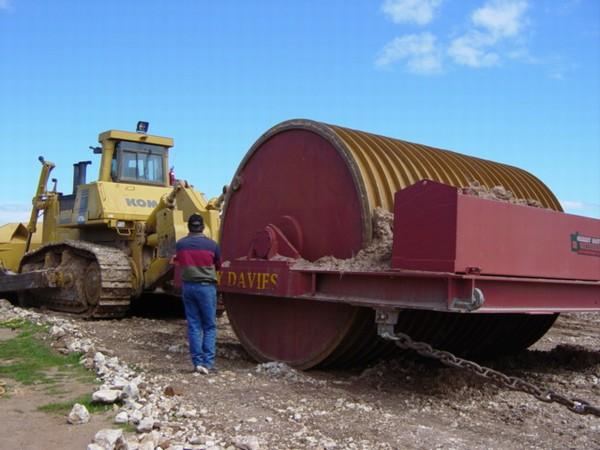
(518, 384)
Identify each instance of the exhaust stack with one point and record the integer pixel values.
(79, 174)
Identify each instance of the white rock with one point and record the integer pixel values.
(131, 391)
(329, 444)
(78, 415)
(118, 383)
(74, 346)
(99, 359)
(146, 446)
(85, 345)
(148, 410)
(145, 425)
(122, 417)
(137, 416)
(57, 332)
(95, 447)
(132, 445)
(153, 437)
(176, 447)
(196, 440)
(246, 442)
(108, 438)
(106, 395)
(188, 413)
(5, 304)
(113, 363)
(131, 404)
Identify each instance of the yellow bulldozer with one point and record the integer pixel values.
(109, 241)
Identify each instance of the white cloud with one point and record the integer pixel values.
(576, 205)
(420, 12)
(522, 54)
(573, 205)
(496, 21)
(419, 51)
(501, 18)
(556, 74)
(472, 50)
(494, 32)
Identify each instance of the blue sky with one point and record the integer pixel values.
(515, 81)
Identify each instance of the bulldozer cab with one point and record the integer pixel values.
(134, 158)
(133, 176)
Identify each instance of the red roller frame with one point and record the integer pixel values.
(451, 252)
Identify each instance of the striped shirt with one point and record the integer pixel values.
(199, 258)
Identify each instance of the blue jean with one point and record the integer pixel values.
(200, 302)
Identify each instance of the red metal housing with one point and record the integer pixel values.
(467, 274)
(439, 229)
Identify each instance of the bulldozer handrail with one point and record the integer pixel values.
(39, 201)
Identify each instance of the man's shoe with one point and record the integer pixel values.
(213, 370)
(201, 369)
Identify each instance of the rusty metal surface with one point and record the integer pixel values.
(38, 279)
(388, 165)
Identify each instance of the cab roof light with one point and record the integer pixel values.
(142, 127)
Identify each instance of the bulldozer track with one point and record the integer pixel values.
(101, 284)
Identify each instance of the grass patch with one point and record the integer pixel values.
(126, 427)
(64, 408)
(27, 360)
(22, 324)
(15, 324)
(56, 390)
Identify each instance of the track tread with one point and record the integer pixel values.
(115, 275)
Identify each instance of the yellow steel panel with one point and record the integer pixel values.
(12, 244)
(121, 201)
(135, 137)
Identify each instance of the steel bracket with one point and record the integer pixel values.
(386, 319)
(473, 303)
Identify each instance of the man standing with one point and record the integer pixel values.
(199, 258)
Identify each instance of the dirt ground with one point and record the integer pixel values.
(23, 427)
(405, 403)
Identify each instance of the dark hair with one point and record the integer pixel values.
(195, 223)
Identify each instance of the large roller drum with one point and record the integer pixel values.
(320, 184)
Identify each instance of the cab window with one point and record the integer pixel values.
(141, 163)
